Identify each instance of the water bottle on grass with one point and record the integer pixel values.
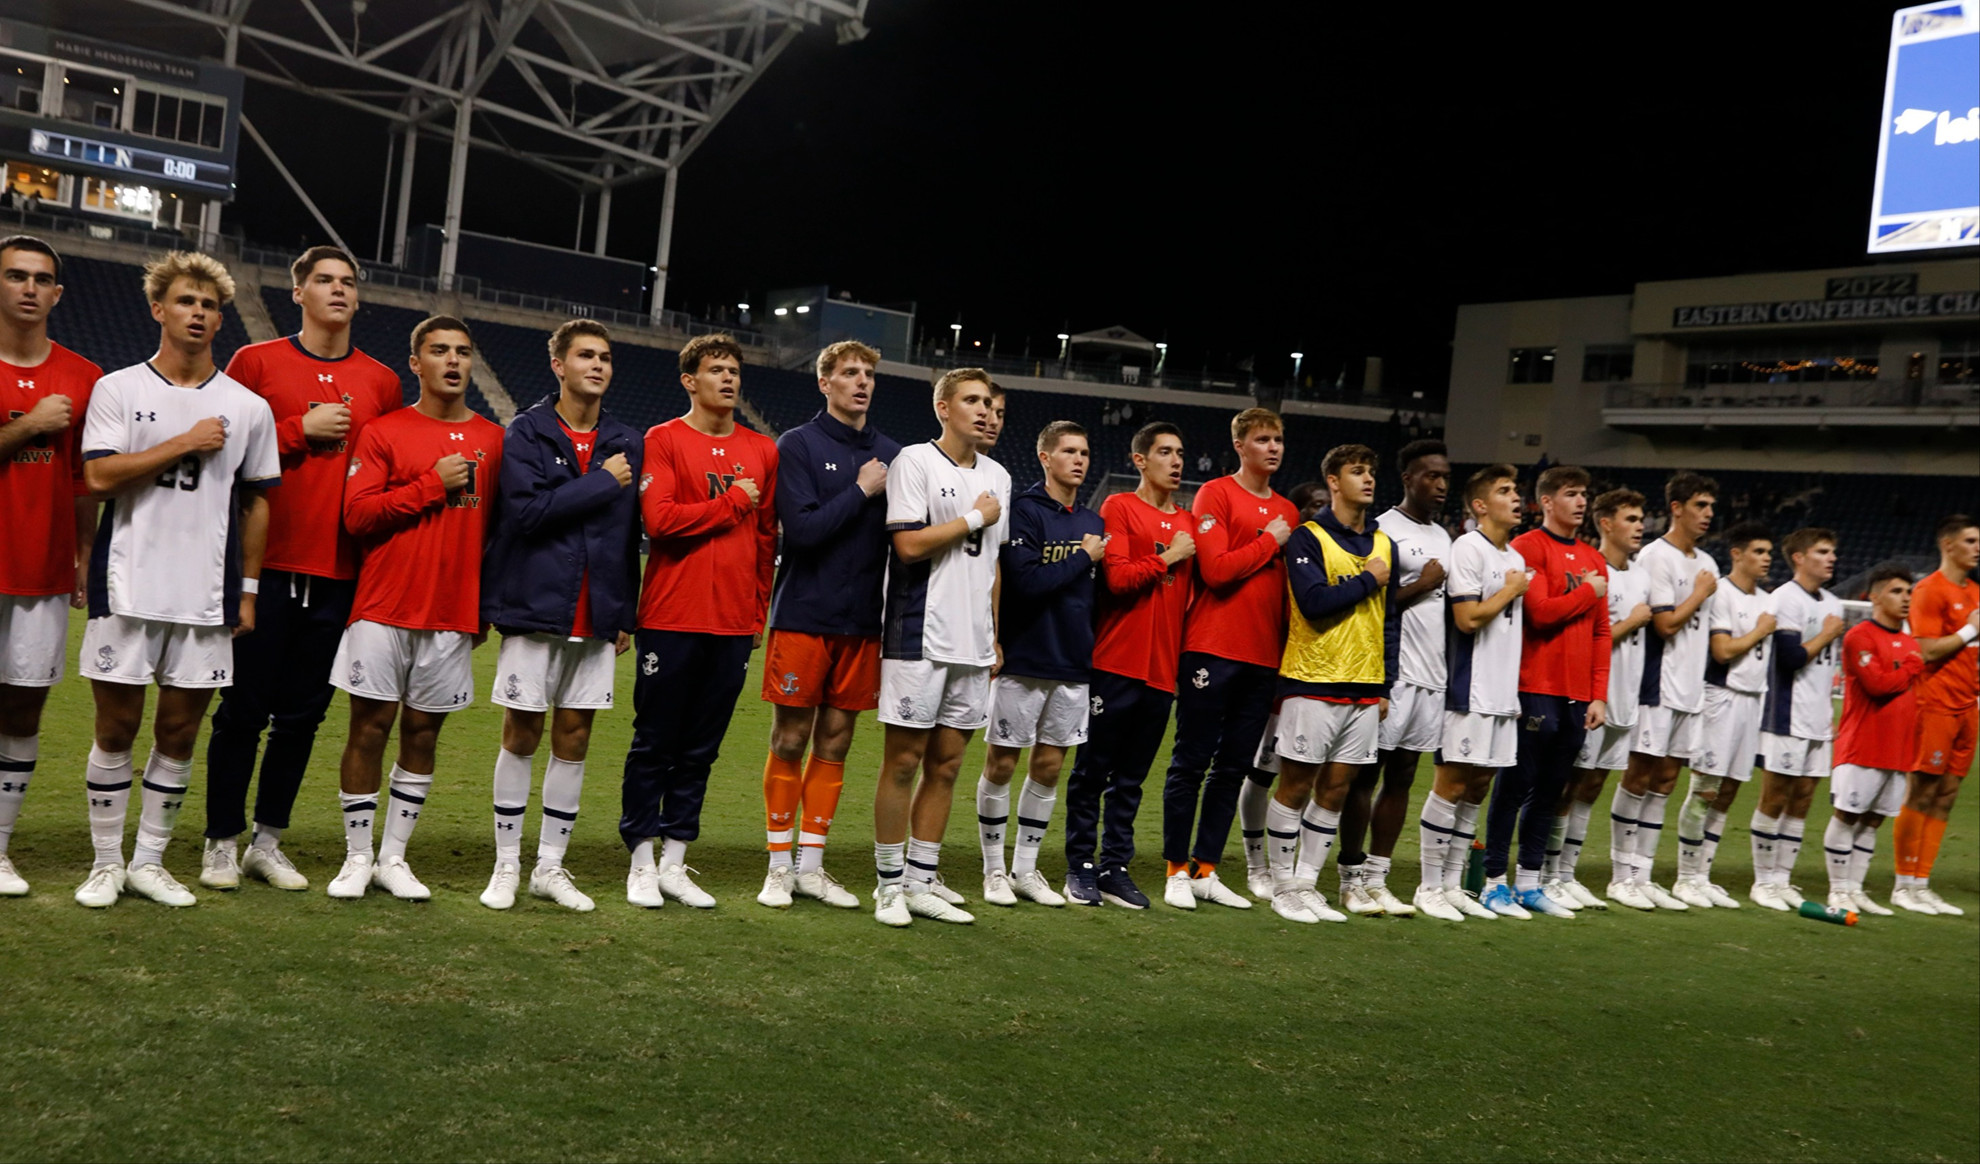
(1833, 914)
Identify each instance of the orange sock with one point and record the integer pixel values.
(780, 800)
(1176, 867)
(1202, 868)
(1934, 831)
(823, 781)
(1907, 839)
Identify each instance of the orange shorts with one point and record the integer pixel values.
(1945, 743)
(805, 670)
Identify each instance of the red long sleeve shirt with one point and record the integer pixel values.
(713, 554)
(1240, 608)
(41, 481)
(1566, 649)
(1143, 599)
(1879, 726)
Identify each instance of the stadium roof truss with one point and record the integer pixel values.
(598, 93)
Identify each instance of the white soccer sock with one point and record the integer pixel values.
(402, 808)
(1649, 831)
(1715, 827)
(563, 783)
(1375, 872)
(1525, 879)
(17, 756)
(267, 838)
(888, 861)
(924, 859)
(993, 820)
(642, 854)
(1251, 810)
(164, 785)
(108, 779)
(1765, 832)
(1788, 848)
(1838, 845)
(1318, 829)
(1691, 825)
(359, 810)
(1550, 865)
(1434, 826)
(1034, 815)
(1625, 809)
(1459, 854)
(512, 776)
(811, 853)
(672, 852)
(1282, 829)
(1905, 882)
(1861, 851)
(1578, 816)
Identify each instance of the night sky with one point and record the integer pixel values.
(1300, 177)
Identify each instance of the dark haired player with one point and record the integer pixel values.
(1878, 735)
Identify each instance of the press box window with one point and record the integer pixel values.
(1606, 365)
(1531, 366)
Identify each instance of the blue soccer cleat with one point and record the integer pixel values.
(1500, 900)
(1537, 901)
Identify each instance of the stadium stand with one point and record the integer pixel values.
(103, 316)
(380, 331)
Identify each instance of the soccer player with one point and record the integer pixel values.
(44, 392)
(1945, 616)
(1334, 679)
(1797, 719)
(1233, 637)
(323, 392)
(419, 500)
(1877, 738)
(1045, 626)
(174, 572)
(821, 664)
(1680, 579)
(996, 429)
(946, 511)
(1729, 727)
(1309, 497)
(1136, 650)
(708, 498)
(1619, 520)
(1481, 702)
(1563, 682)
(1415, 723)
(561, 582)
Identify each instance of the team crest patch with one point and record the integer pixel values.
(790, 684)
(906, 709)
(1533, 723)
(355, 466)
(650, 665)
(1299, 744)
(1204, 525)
(1863, 658)
(645, 479)
(1003, 729)
(357, 672)
(1201, 679)
(1096, 705)
(1464, 746)
(513, 690)
(226, 425)
(106, 659)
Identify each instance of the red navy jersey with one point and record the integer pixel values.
(1142, 598)
(1240, 609)
(419, 546)
(1879, 726)
(1566, 647)
(712, 555)
(41, 480)
(306, 531)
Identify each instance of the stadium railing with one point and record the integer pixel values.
(1824, 394)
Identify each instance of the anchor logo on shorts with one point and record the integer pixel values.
(106, 659)
(514, 688)
(907, 707)
(357, 672)
(1096, 705)
(1464, 746)
(790, 686)
(1299, 744)
(650, 665)
(1201, 679)
(1003, 729)
(1705, 761)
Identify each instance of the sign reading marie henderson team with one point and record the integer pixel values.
(1927, 193)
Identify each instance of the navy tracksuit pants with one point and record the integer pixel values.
(683, 695)
(1123, 734)
(1551, 729)
(1221, 709)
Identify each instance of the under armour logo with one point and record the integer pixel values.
(456, 436)
(325, 378)
(831, 467)
(1166, 525)
(1302, 561)
(23, 383)
(1263, 511)
(145, 416)
(717, 452)
(217, 677)
(562, 461)
(948, 493)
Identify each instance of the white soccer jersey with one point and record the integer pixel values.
(168, 549)
(1484, 676)
(938, 609)
(1417, 544)
(1677, 663)
(1734, 612)
(1627, 588)
(1801, 706)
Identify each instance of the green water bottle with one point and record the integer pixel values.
(1833, 914)
(1474, 869)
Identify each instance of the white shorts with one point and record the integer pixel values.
(1794, 756)
(1483, 741)
(1606, 749)
(425, 670)
(34, 635)
(918, 693)
(1878, 790)
(119, 649)
(535, 672)
(1314, 731)
(1416, 719)
(1024, 712)
(1728, 734)
(1266, 759)
(1663, 732)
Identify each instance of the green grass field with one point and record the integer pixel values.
(262, 1025)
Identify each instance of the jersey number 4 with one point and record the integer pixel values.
(183, 475)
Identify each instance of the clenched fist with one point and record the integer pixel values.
(1279, 530)
(1596, 581)
(1517, 582)
(991, 508)
(327, 422)
(454, 471)
(49, 414)
(1181, 549)
(748, 486)
(1093, 545)
(1379, 567)
(620, 468)
(872, 477)
(205, 435)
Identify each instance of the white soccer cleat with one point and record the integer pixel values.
(1209, 888)
(1907, 899)
(395, 877)
(1032, 886)
(1691, 891)
(273, 867)
(1841, 899)
(1584, 895)
(929, 903)
(820, 886)
(1720, 898)
(1430, 902)
(1867, 904)
(946, 894)
(1468, 905)
(1259, 883)
(643, 887)
(1627, 893)
(1291, 905)
(353, 879)
(219, 868)
(674, 883)
(1764, 896)
(890, 906)
(501, 891)
(1359, 901)
(12, 884)
(1558, 893)
(1789, 893)
(554, 883)
(1316, 904)
(1392, 906)
(151, 880)
(1659, 896)
(101, 888)
(776, 891)
(997, 889)
(1176, 891)
(1924, 893)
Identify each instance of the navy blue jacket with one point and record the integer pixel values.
(553, 525)
(834, 556)
(1315, 596)
(1046, 618)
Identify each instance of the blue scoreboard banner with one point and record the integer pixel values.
(1927, 194)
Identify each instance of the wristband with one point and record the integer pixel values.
(1968, 633)
(973, 519)
(250, 586)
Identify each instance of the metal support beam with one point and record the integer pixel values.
(301, 193)
(666, 247)
(450, 226)
(405, 195)
(604, 212)
(384, 199)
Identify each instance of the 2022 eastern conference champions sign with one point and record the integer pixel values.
(1927, 193)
